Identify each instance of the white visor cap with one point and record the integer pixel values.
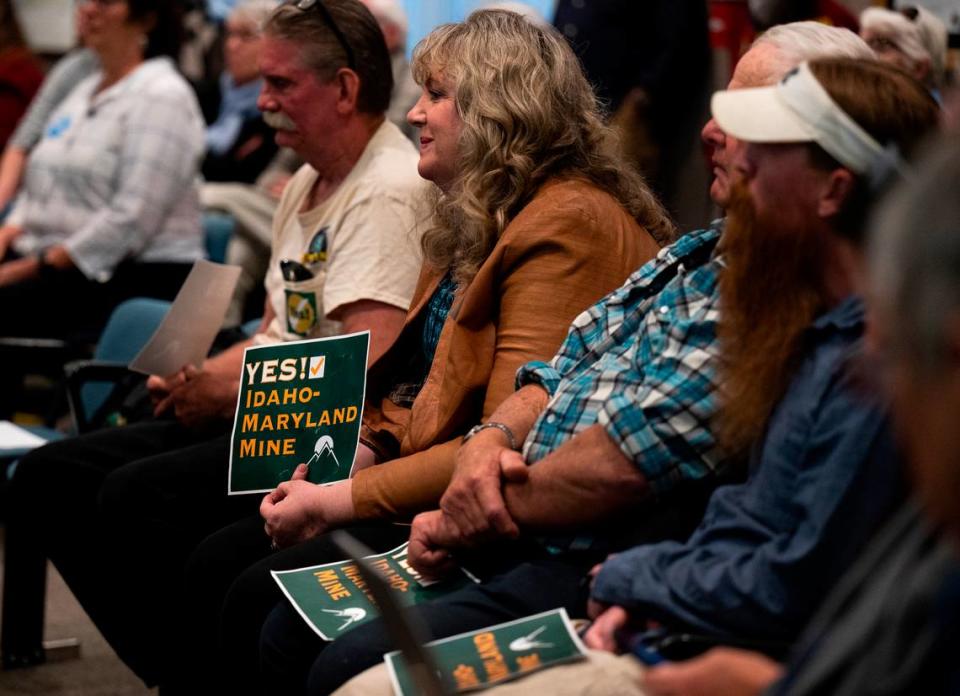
(799, 110)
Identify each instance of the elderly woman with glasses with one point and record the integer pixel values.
(239, 143)
(107, 208)
(911, 38)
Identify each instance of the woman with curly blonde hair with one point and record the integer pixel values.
(528, 115)
(535, 220)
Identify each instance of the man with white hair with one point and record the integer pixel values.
(911, 38)
(252, 207)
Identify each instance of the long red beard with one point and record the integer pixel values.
(770, 292)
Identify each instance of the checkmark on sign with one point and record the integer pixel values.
(317, 365)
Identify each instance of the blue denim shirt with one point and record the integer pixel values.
(823, 478)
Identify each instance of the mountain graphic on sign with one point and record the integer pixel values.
(350, 614)
(323, 453)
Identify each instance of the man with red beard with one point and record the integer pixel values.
(823, 471)
(824, 474)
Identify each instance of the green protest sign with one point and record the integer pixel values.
(333, 598)
(477, 659)
(299, 402)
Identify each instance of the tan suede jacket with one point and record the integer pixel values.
(570, 246)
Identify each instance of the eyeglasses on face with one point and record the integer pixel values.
(881, 44)
(910, 13)
(328, 18)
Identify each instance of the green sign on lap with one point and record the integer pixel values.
(333, 598)
(479, 659)
(299, 402)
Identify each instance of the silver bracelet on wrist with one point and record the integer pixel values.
(493, 424)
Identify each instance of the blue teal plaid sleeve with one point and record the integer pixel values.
(642, 363)
(662, 421)
(588, 330)
(539, 372)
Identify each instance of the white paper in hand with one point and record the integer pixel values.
(185, 335)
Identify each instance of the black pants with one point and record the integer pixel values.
(294, 660)
(231, 593)
(119, 512)
(60, 304)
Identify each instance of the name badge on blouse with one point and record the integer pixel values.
(58, 127)
(301, 312)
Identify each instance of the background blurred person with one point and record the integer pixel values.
(650, 64)
(20, 74)
(393, 22)
(911, 38)
(239, 142)
(59, 82)
(108, 207)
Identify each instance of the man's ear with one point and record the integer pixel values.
(837, 188)
(348, 91)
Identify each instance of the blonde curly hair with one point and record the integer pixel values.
(528, 115)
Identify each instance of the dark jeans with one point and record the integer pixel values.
(294, 660)
(230, 594)
(118, 512)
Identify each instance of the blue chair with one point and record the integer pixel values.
(249, 328)
(217, 230)
(97, 387)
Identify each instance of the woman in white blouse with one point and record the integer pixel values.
(108, 207)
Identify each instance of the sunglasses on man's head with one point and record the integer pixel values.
(328, 18)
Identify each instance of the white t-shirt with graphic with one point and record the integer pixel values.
(361, 243)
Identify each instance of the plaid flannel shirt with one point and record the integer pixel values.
(642, 363)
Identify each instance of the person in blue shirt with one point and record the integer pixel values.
(892, 624)
(239, 142)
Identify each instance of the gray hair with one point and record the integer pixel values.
(800, 41)
(922, 38)
(914, 258)
(254, 11)
(324, 53)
